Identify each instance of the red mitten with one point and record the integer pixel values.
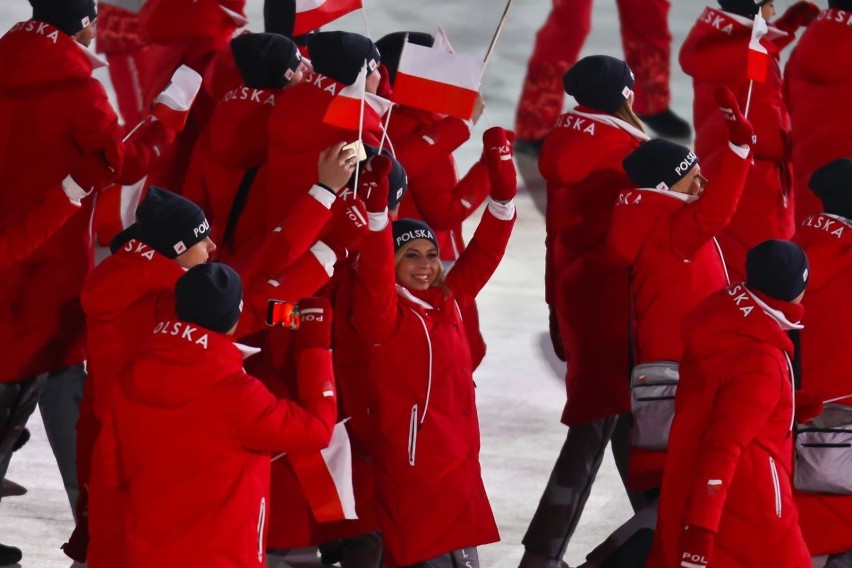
(373, 185)
(346, 227)
(92, 173)
(384, 90)
(696, 547)
(155, 136)
(497, 149)
(314, 324)
(798, 15)
(740, 131)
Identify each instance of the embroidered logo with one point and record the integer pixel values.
(180, 248)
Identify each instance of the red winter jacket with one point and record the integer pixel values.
(730, 449)
(714, 54)
(233, 141)
(22, 237)
(669, 241)
(581, 162)
(817, 88)
(52, 112)
(430, 498)
(193, 435)
(297, 135)
(826, 341)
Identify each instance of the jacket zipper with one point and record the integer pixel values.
(776, 484)
(261, 524)
(412, 436)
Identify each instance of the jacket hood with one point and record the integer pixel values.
(237, 135)
(830, 34)
(575, 141)
(827, 240)
(636, 212)
(733, 316)
(35, 55)
(182, 361)
(136, 270)
(716, 46)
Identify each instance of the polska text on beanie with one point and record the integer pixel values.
(210, 295)
(169, 223)
(600, 82)
(659, 164)
(778, 269)
(406, 230)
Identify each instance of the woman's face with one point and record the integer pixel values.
(767, 11)
(420, 266)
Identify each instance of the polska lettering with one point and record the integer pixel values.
(831, 226)
(322, 82)
(835, 15)
(717, 21)
(202, 229)
(629, 198)
(741, 296)
(259, 96)
(142, 249)
(573, 122)
(39, 28)
(696, 559)
(182, 330)
(415, 234)
(687, 162)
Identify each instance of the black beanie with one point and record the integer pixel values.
(778, 269)
(169, 223)
(407, 230)
(341, 55)
(210, 295)
(745, 8)
(70, 16)
(841, 4)
(279, 16)
(600, 82)
(265, 61)
(659, 164)
(832, 183)
(391, 45)
(397, 178)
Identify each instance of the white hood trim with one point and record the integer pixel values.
(686, 198)
(405, 293)
(776, 315)
(246, 351)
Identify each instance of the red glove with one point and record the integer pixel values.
(798, 15)
(384, 90)
(346, 227)
(497, 149)
(696, 547)
(740, 130)
(144, 146)
(556, 336)
(373, 185)
(92, 173)
(314, 324)
(155, 136)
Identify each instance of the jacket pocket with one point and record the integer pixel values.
(261, 526)
(412, 436)
(776, 486)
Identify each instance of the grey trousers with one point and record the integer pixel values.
(58, 395)
(570, 483)
(461, 558)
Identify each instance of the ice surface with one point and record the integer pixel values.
(521, 391)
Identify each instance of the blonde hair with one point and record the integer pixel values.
(625, 113)
(439, 281)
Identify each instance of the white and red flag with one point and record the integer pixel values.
(344, 110)
(326, 478)
(758, 57)
(171, 107)
(437, 80)
(313, 14)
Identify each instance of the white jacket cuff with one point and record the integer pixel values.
(73, 190)
(503, 211)
(325, 256)
(378, 221)
(741, 151)
(323, 195)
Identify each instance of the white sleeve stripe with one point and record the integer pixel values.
(322, 195)
(741, 151)
(325, 256)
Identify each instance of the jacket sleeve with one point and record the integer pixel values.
(94, 122)
(23, 236)
(375, 308)
(694, 225)
(302, 278)
(445, 208)
(742, 407)
(265, 423)
(480, 259)
(418, 150)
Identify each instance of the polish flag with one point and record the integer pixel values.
(758, 57)
(313, 14)
(115, 210)
(344, 110)
(437, 81)
(172, 106)
(326, 478)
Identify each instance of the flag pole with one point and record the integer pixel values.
(748, 98)
(385, 129)
(497, 33)
(366, 24)
(360, 128)
(142, 122)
